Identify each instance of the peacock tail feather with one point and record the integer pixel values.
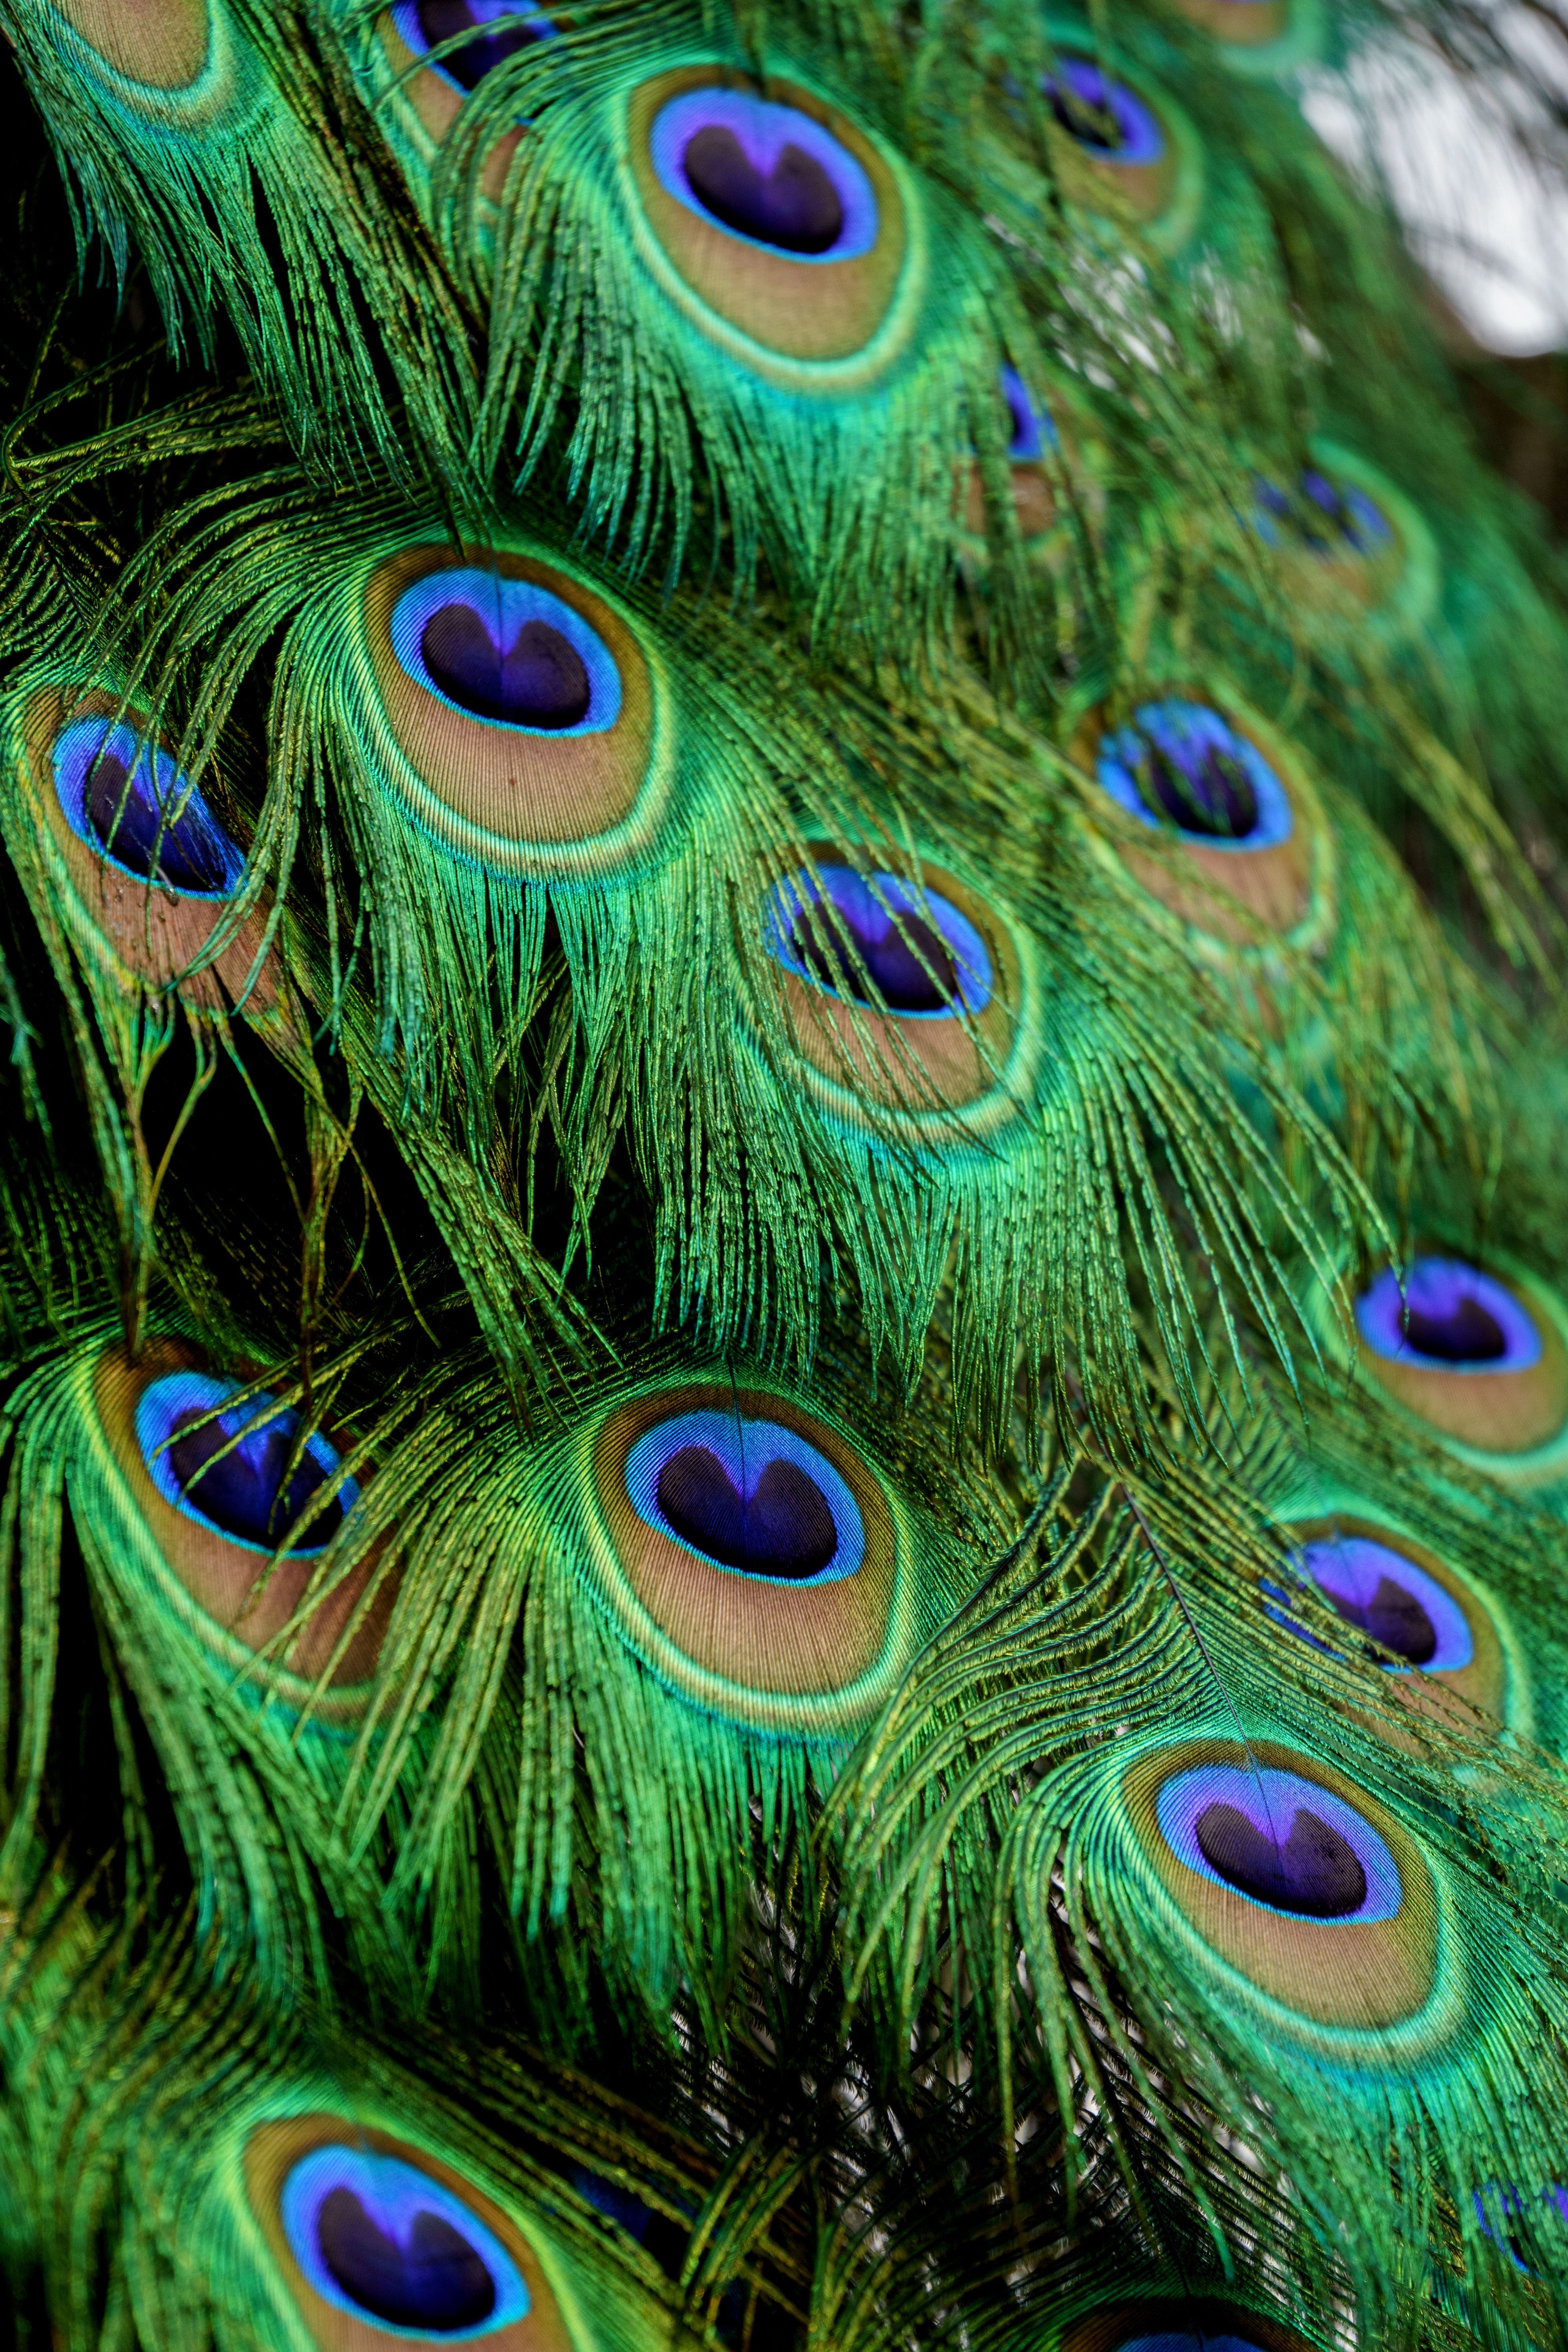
(784, 1331)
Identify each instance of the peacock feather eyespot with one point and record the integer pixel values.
(751, 1495)
(420, 86)
(1181, 763)
(750, 1552)
(1447, 1315)
(240, 1470)
(495, 30)
(507, 651)
(777, 214)
(1233, 798)
(124, 796)
(132, 852)
(378, 2239)
(1468, 1352)
(1291, 1877)
(1280, 1841)
(162, 45)
(385, 2242)
(765, 173)
(924, 958)
(951, 975)
(1103, 115)
(1120, 136)
(1346, 543)
(207, 1489)
(1382, 1593)
(526, 714)
(1401, 1601)
(1035, 433)
(1329, 518)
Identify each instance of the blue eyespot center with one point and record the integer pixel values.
(1329, 518)
(394, 2246)
(1282, 1841)
(1181, 2339)
(1375, 1589)
(1450, 1318)
(795, 206)
(747, 1495)
(1034, 428)
(231, 1470)
(432, 2279)
(1310, 1869)
(1106, 118)
(540, 679)
(506, 652)
(782, 1527)
(924, 957)
(1181, 763)
(769, 173)
(423, 25)
(127, 799)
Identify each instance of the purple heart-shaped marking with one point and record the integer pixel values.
(539, 680)
(911, 963)
(1082, 102)
(244, 1494)
(783, 1528)
(795, 206)
(1395, 1618)
(125, 815)
(436, 2281)
(1315, 1871)
(1201, 789)
(1463, 1333)
(442, 20)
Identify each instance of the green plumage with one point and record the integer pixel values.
(783, 1338)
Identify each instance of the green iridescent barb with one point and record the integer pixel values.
(783, 1331)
